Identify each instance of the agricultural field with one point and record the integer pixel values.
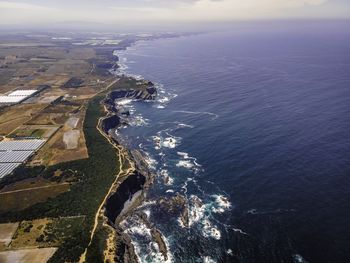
(36, 240)
(51, 200)
(13, 117)
(34, 131)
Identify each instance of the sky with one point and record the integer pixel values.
(140, 12)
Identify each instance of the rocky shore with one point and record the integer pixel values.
(130, 191)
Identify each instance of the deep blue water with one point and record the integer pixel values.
(264, 117)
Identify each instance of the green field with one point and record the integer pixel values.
(28, 133)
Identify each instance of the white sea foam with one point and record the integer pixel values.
(160, 106)
(210, 231)
(183, 125)
(164, 99)
(170, 181)
(124, 101)
(186, 156)
(222, 204)
(138, 121)
(155, 255)
(169, 191)
(147, 212)
(183, 154)
(147, 204)
(188, 162)
(181, 224)
(239, 231)
(196, 210)
(213, 115)
(152, 163)
(137, 250)
(157, 141)
(208, 259)
(165, 175)
(185, 164)
(299, 259)
(139, 229)
(170, 142)
(229, 252)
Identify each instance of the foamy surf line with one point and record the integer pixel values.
(213, 115)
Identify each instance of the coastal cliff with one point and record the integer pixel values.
(118, 201)
(132, 88)
(110, 122)
(129, 191)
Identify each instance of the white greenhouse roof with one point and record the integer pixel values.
(23, 92)
(21, 145)
(7, 168)
(14, 156)
(12, 99)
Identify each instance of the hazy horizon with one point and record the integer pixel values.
(159, 13)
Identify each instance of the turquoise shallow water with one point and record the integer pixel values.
(254, 126)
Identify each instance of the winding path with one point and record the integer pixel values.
(122, 157)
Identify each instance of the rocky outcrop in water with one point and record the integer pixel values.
(156, 235)
(176, 206)
(126, 251)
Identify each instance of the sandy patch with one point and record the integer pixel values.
(38, 255)
(71, 139)
(6, 232)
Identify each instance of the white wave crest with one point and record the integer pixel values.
(151, 162)
(138, 121)
(213, 115)
(170, 142)
(124, 102)
(166, 177)
(185, 164)
(222, 204)
(139, 229)
(210, 231)
(183, 125)
(299, 259)
(208, 259)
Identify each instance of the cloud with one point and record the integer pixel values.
(23, 6)
(216, 9)
(156, 11)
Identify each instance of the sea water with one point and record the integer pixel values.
(253, 124)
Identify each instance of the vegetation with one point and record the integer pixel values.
(32, 133)
(46, 232)
(73, 83)
(96, 174)
(21, 173)
(129, 83)
(98, 245)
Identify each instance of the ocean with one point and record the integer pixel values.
(252, 127)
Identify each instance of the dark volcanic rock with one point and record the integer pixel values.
(157, 236)
(125, 191)
(110, 123)
(173, 204)
(126, 251)
(176, 206)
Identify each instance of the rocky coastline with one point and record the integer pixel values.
(130, 191)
